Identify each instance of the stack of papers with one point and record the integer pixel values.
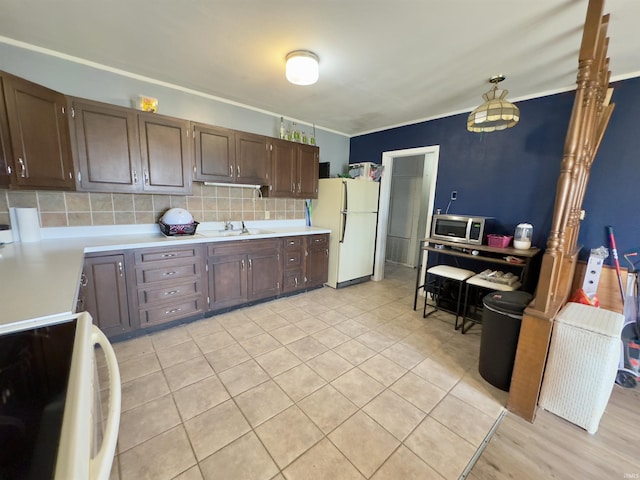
(498, 277)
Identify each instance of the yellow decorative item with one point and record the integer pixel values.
(148, 104)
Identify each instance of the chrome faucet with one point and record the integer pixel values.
(228, 225)
(244, 229)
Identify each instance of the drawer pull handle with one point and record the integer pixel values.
(169, 273)
(174, 310)
(120, 269)
(168, 255)
(172, 292)
(292, 259)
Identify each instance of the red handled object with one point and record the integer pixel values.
(616, 262)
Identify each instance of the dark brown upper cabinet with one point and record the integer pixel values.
(230, 156)
(294, 170)
(283, 169)
(307, 171)
(119, 149)
(107, 147)
(5, 146)
(252, 159)
(165, 153)
(39, 136)
(214, 153)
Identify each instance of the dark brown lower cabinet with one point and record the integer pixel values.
(317, 263)
(306, 262)
(243, 271)
(264, 270)
(136, 289)
(103, 293)
(227, 279)
(170, 284)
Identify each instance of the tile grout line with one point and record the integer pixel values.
(374, 329)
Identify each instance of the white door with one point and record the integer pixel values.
(430, 176)
(404, 210)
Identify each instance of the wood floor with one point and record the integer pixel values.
(552, 448)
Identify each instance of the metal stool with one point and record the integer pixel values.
(480, 283)
(445, 272)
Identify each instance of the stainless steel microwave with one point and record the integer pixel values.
(460, 228)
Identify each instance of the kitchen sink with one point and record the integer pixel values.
(233, 233)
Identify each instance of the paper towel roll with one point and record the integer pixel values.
(28, 224)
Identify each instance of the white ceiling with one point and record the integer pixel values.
(382, 63)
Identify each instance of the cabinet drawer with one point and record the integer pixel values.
(318, 240)
(167, 272)
(293, 259)
(168, 293)
(293, 280)
(293, 243)
(155, 316)
(165, 254)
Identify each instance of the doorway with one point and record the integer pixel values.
(424, 205)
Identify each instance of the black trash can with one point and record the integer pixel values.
(501, 320)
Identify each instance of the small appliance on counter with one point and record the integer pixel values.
(522, 236)
(461, 228)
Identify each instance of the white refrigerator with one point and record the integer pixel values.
(348, 207)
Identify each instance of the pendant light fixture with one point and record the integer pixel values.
(495, 113)
(302, 67)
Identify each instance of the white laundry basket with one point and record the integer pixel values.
(582, 365)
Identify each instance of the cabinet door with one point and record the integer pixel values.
(215, 154)
(307, 171)
(39, 134)
(227, 281)
(317, 264)
(105, 293)
(165, 153)
(264, 274)
(5, 145)
(107, 147)
(283, 171)
(252, 159)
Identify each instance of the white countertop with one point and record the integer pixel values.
(39, 281)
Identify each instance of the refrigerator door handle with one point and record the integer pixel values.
(346, 197)
(344, 225)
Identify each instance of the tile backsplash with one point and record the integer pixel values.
(206, 204)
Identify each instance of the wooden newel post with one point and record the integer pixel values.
(589, 118)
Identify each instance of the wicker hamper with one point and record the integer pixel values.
(582, 364)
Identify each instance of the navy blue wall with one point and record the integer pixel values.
(512, 174)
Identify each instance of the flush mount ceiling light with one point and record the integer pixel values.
(495, 113)
(302, 67)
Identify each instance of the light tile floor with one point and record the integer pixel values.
(329, 384)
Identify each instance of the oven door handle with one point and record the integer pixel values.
(101, 463)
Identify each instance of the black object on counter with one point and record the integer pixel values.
(501, 321)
